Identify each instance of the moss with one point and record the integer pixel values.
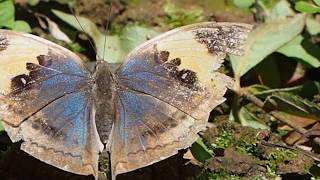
(248, 146)
(176, 16)
(276, 157)
(224, 138)
(221, 175)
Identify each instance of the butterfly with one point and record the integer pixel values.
(153, 105)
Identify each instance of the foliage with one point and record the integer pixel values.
(1, 126)
(293, 104)
(266, 39)
(282, 32)
(247, 146)
(221, 175)
(7, 17)
(117, 46)
(277, 157)
(224, 138)
(244, 3)
(307, 7)
(176, 17)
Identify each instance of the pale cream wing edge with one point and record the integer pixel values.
(17, 48)
(195, 52)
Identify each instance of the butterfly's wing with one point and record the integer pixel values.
(45, 101)
(168, 86)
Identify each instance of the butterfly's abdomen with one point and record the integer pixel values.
(103, 96)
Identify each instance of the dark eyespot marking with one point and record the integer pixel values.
(162, 57)
(188, 77)
(32, 66)
(24, 81)
(175, 61)
(44, 60)
(20, 81)
(4, 43)
(222, 39)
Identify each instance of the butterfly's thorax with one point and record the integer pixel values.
(103, 89)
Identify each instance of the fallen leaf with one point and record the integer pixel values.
(52, 27)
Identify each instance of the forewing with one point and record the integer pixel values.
(45, 101)
(34, 72)
(180, 70)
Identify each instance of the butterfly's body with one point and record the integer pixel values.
(103, 89)
(149, 108)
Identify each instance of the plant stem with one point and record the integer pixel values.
(274, 113)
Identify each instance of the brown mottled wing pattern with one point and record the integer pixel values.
(166, 90)
(45, 101)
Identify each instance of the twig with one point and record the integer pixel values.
(274, 113)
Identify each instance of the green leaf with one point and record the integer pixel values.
(317, 2)
(176, 17)
(307, 90)
(307, 52)
(21, 26)
(200, 151)
(76, 47)
(132, 36)
(293, 104)
(281, 10)
(65, 1)
(313, 26)
(1, 126)
(315, 171)
(33, 2)
(266, 39)
(6, 13)
(243, 3)
(306, 7)
(247, 118)
(117, 46)
(88, 27)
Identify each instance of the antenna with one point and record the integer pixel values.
(106, 29)
(95, 50)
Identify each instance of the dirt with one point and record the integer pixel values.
(151, 11)
(99, 11)
(238, 163)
